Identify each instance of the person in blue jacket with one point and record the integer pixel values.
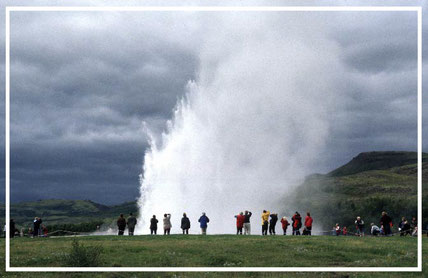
(204, 223)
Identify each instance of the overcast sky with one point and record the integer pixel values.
(83, 83)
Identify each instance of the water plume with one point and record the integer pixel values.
(247, 131)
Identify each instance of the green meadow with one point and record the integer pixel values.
(217, 251)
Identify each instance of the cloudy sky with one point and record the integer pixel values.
(83, 84)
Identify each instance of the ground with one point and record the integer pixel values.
(221, 251)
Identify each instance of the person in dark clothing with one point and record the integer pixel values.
(386, 223)
(153, 225)
(247, 224)
(272, 223)
(121, 224)
(297, 223)
(12, 228)
(131, 222)
(185, 224)
(36, 226)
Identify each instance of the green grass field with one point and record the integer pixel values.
(221, 251)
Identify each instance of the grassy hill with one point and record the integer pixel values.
(369, 184)
(377, 161)
(55, 212)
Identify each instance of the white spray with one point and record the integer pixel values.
(247, 130)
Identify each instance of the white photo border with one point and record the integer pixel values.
(417, 9)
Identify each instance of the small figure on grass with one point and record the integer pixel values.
(153, 225)
(272, 223)
(285, 224)
(121, 225)
(185, 224)
(247, 224)
(359, 226)
(240, 218)
(131, 222)
(167, 224)
(297, 223)
(308, 223)
(204, 220)
(265, 222)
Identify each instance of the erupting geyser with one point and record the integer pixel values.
(246, 132)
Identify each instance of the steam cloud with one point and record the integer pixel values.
(249, 127)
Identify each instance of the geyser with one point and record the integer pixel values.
(247, 130)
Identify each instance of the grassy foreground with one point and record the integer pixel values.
(220, 251)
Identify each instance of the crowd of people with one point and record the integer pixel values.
(185, 224)
(404, 227)
(243, 225)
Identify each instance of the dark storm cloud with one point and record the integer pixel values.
(65, 171)
(78, 99)
(82, 83)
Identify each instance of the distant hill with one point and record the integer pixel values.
(377, 161)
(369, 184)
(67, 211)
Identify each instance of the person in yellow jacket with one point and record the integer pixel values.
(265, 221)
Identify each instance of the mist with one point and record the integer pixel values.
(250, 126)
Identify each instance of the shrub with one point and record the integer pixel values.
(83, 256)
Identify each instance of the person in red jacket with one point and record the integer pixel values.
(308, 223)
(345, 231)
(240, 218)
(297, 223)
(285, 224)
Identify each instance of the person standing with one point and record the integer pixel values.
(285, 224)
(247, 224)
(40, 231)
(272, 223)
(359, 225)
(265, 222)
(132, 221)
(121, 224)
(386, 223)
(297, 223)
(203, 220)
(12, 228)
(36, 226)
(167, 223)
(153, 225)
(414, 226)
(337, 228)
(308, 223)
(240, 218)
(185, 224)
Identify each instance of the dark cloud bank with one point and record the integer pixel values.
(82, 84)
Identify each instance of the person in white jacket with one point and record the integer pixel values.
(167, 223)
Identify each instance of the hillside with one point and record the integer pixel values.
(369, 184)
(377, 161)
(67, 211)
